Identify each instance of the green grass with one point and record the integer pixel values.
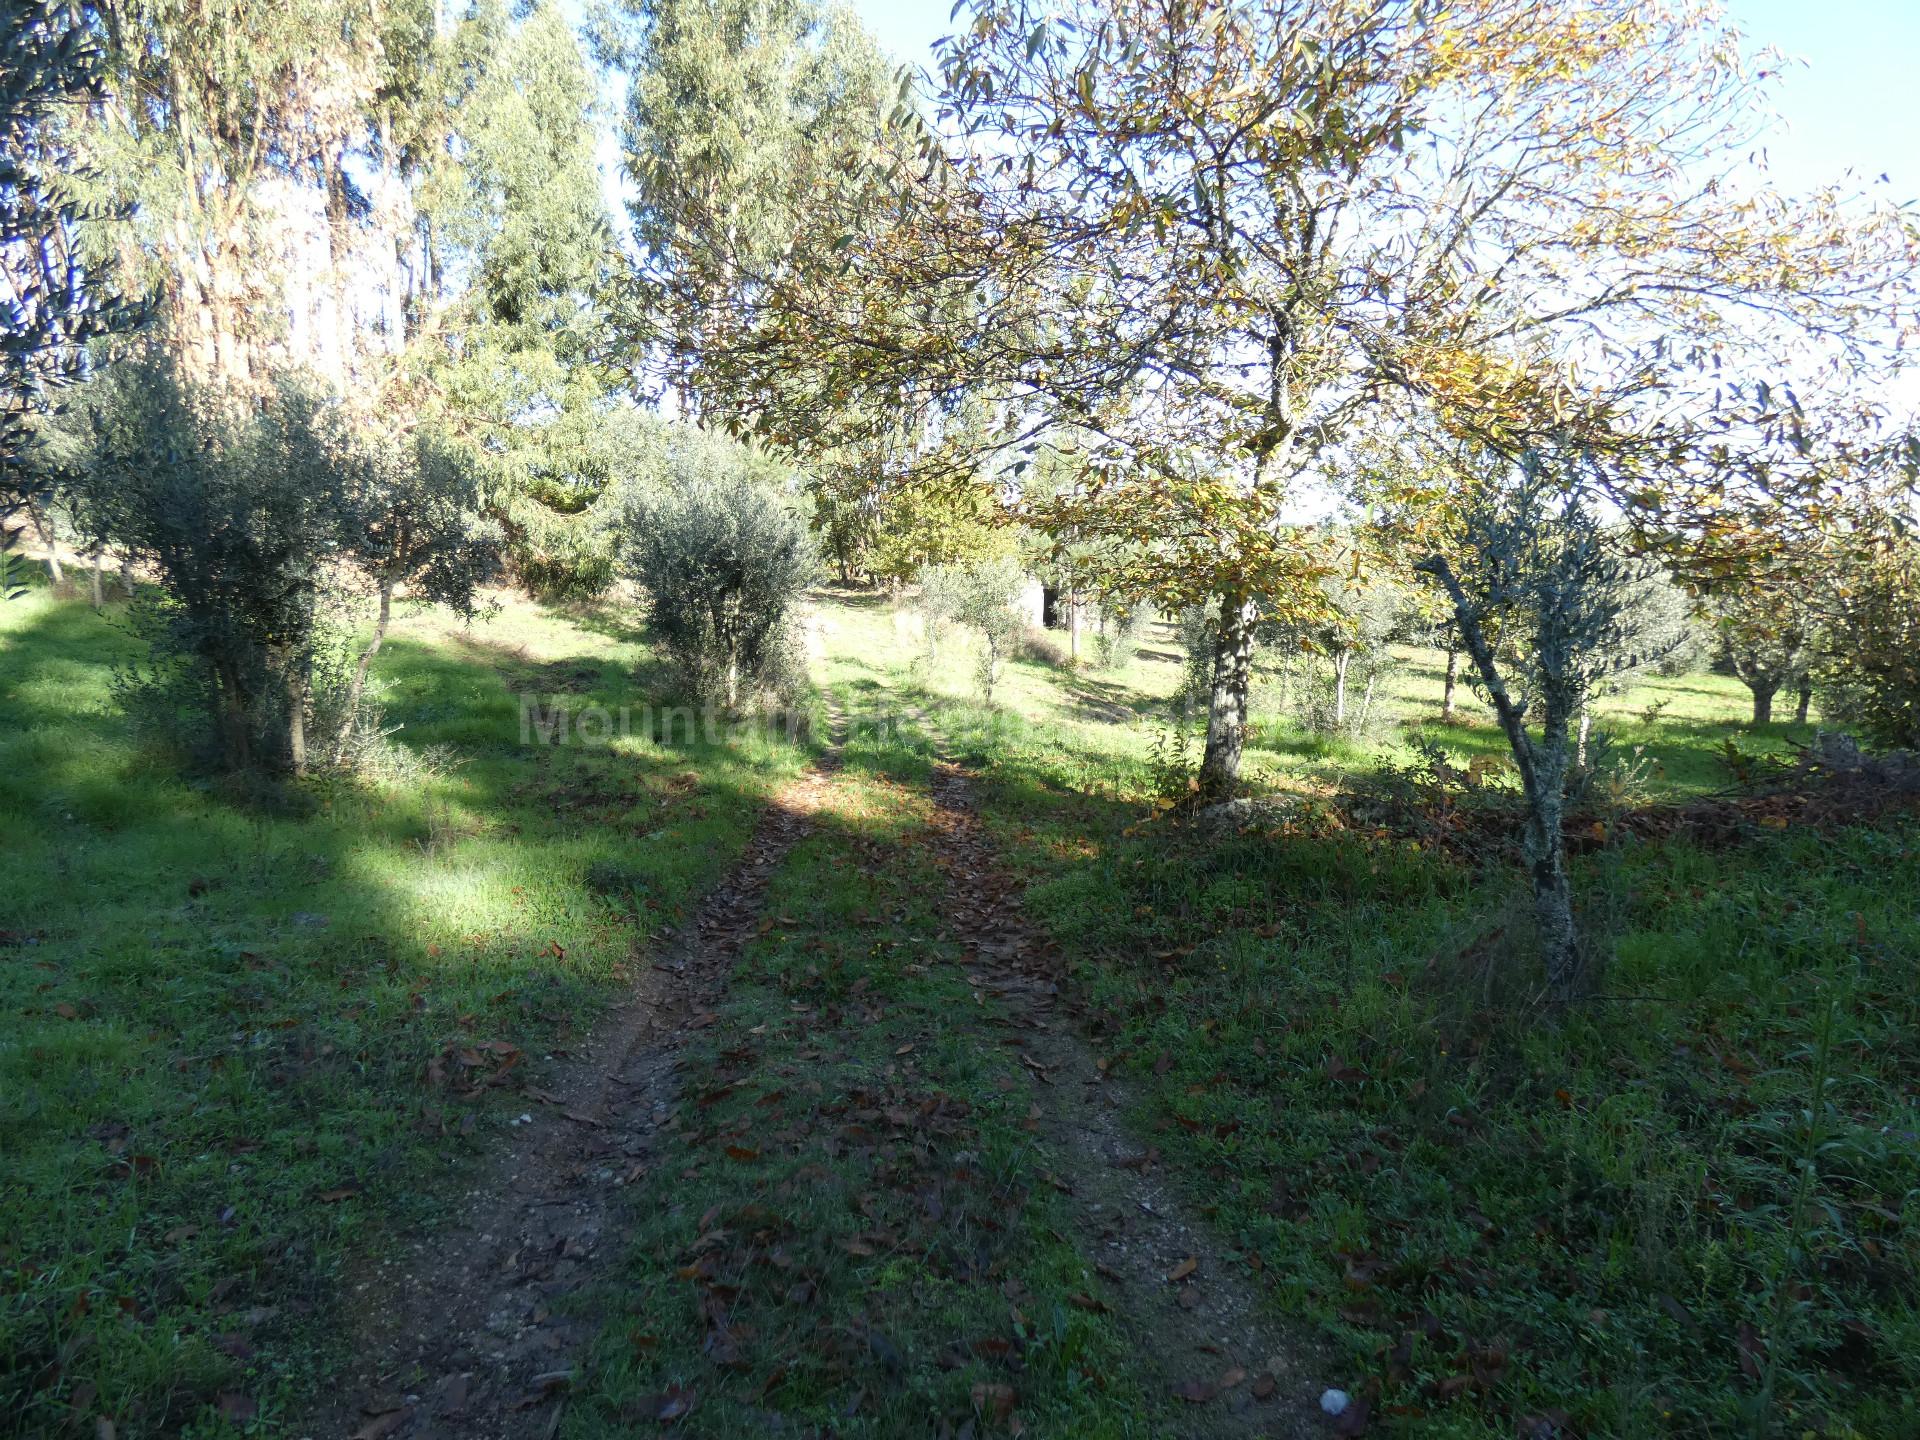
(1501, 1215)
(860, 1234)
(217, 1021)
(220, 1022)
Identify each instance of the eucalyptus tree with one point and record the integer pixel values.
(510, 351)
(740, 115)
(1208, 239)
(237, 130)
(53, 301)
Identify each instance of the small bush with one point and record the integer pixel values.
(1118, 631)
(723, 562)
(266, 519)
(985, 597)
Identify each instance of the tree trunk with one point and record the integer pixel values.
(1453, 680)
(359, 683)
(1341, 661)
(1805, 707)
(1553, 912)
(231, 716)
(1586, 729)
(1543, 775)
(1073, 626)
(297, 720)
(96, 589)
(1227, 697)
(55, 575)
(1762, 703)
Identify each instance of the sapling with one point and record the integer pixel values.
(1535, 566)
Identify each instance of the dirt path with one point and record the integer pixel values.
(1198, 1325)
(464, 1335)
(461, 1334)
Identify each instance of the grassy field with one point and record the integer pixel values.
(243, 1046)
(239, 1044)
(1687, 1202)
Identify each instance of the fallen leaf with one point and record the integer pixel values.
(1353, 1420)
(380, 1426)
(1181, 1271)
(996, 1402)
(1195, 1392)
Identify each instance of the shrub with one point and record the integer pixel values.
(984, 596)
(723, 561)
(240, 512)
(1872, 674)
(264, 519)
(1118, 631)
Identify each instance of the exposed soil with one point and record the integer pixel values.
(463, 1334)
(1197, 1321)
(460, 1334)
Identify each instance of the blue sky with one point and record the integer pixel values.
(1851, 105)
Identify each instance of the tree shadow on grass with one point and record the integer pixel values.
(217, 1019)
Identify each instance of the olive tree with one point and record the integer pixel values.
(984, 596)
(1766, 636)
(1535, 564)
(263, 518)
(723, 560)
(415, 519)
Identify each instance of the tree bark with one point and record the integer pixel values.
(1804, 708)
(1586, 729)
(1762, 703)
(1553, 913)
(1227, 696)
(231, 716)
(1542, 782)
(55, 575)
(1452, 682)
(96, 589)
(1341, 662)
(297, 722)
(359, 683)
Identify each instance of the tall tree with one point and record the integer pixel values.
(52, 301)
(232, 126)
(508, 334)
(741, 115)
(1217, 235)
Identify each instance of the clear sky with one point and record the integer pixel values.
(1853, 104)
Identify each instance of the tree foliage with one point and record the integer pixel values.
(723, 560)
(1210, 239)
(53, 301)
(1536, 567)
